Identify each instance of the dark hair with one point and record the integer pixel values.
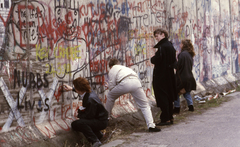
(82, 84)
(113, 61)
(187, 45)
(160, 31)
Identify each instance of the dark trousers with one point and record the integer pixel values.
(165, 104)
(90, 128)
(166, 107)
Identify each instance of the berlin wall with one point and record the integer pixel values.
(44, 44)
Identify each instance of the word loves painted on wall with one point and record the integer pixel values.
(27, 103)
(34, 80)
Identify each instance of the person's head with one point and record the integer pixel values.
(187, 45)
(113, 62)
(81, 85)
(159, 34)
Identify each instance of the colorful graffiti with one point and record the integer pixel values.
(47, 43)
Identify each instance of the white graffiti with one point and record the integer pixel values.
(43, 97)
(13, 105)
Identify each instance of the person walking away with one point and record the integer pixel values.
(93, 117)
(123, 80)
(185, 79)
(164, 82)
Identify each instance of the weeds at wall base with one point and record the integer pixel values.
(238, 88)
(200, 108)
(120, 129)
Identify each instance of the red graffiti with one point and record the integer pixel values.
(122, 100)
(23, 24)
(56, 28)
(4, 22)
(58, 93)
(95, 25)
(99, 66)
(23, 134)
(2, 141)
(66, 108)
(100, 79)
(9, 14)
(52, 130)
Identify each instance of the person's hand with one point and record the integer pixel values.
(106, 84)
(182, 91)
(67, 87)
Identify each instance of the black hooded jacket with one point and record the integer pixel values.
(94, 108)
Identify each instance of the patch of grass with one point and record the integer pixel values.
(238, 88)
(200, 108)
(212, 103)
(179, 118)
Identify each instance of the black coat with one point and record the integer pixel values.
(184, 75)
(163, 72)
(94, 108)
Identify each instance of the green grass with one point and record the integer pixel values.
(238, 88)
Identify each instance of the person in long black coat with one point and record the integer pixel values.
(164, 82)
(184, 75)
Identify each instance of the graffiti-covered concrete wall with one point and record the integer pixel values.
(44, 44)
(208, 24)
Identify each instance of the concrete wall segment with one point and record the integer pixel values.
(21, 136)
(55, 41)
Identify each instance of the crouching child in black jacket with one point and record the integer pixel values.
(93, 117)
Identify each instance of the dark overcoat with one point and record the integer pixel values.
(184, 75)
(164, 82)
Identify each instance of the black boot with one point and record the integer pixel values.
(190, 108)
(176, 110)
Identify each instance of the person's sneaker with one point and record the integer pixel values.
(154, 129)
(97, 144)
